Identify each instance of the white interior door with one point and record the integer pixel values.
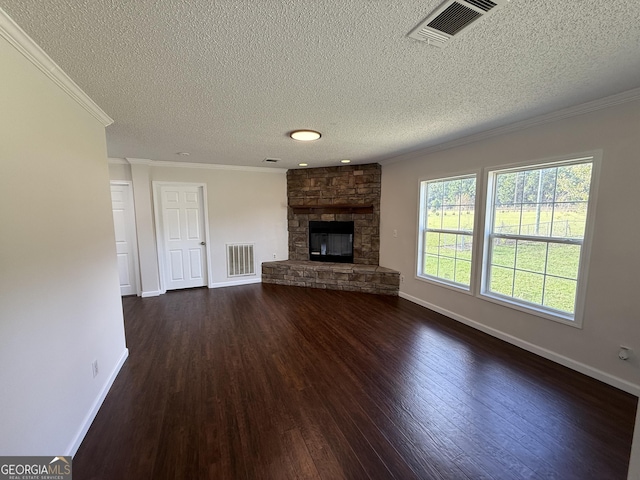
(124, 225)
(184, 236)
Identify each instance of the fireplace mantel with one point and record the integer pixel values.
(332, 209)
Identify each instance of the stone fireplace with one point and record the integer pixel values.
(346, 194)
(343, 194)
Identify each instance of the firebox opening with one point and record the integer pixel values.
(331, 242)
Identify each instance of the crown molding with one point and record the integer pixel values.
(202, 166)
(17, 37)
(215, 166)
(117, 161)
(138, 161)
(610, 101)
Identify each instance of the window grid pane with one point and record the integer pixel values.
(533, 202)
(502, 281)
(539, 269)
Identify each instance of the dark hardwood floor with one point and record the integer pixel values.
(275, 382)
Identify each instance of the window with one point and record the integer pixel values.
(534, 236)
(447, 209)
(536, 225)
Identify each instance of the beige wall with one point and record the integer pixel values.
(243, 205)
(60, 306)
(612, 313)
(119, 171)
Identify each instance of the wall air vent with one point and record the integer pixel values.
(452, 17)
(240, 259)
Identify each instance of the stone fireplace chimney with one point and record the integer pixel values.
(344, 194)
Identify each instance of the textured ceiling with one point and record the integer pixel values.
(227, 80)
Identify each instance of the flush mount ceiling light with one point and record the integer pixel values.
(345, 161)
(303, 164)
(305, 135)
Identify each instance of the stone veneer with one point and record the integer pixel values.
(339, 186)
(343, 194)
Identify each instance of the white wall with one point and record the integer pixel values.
(612, 310)
(244, 206)
(60, 305)
(147, 252)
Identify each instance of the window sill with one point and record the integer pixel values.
(531, 310)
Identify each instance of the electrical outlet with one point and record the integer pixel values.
(401, 278)
(275, 256)
(395, 233)
(624, 353)
(94, 368)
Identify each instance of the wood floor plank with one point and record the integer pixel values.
(276, 382)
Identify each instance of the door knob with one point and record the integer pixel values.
(202, 243)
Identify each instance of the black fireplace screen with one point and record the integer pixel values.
(331, 242)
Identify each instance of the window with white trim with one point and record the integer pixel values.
(447, 215)
(535, 225)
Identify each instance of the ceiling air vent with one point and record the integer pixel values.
(271, 160)
(451, 17)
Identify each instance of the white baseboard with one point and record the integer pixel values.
(234, 283)
(75, 444)
(154, 293)
(530, 347)
(231, 283)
